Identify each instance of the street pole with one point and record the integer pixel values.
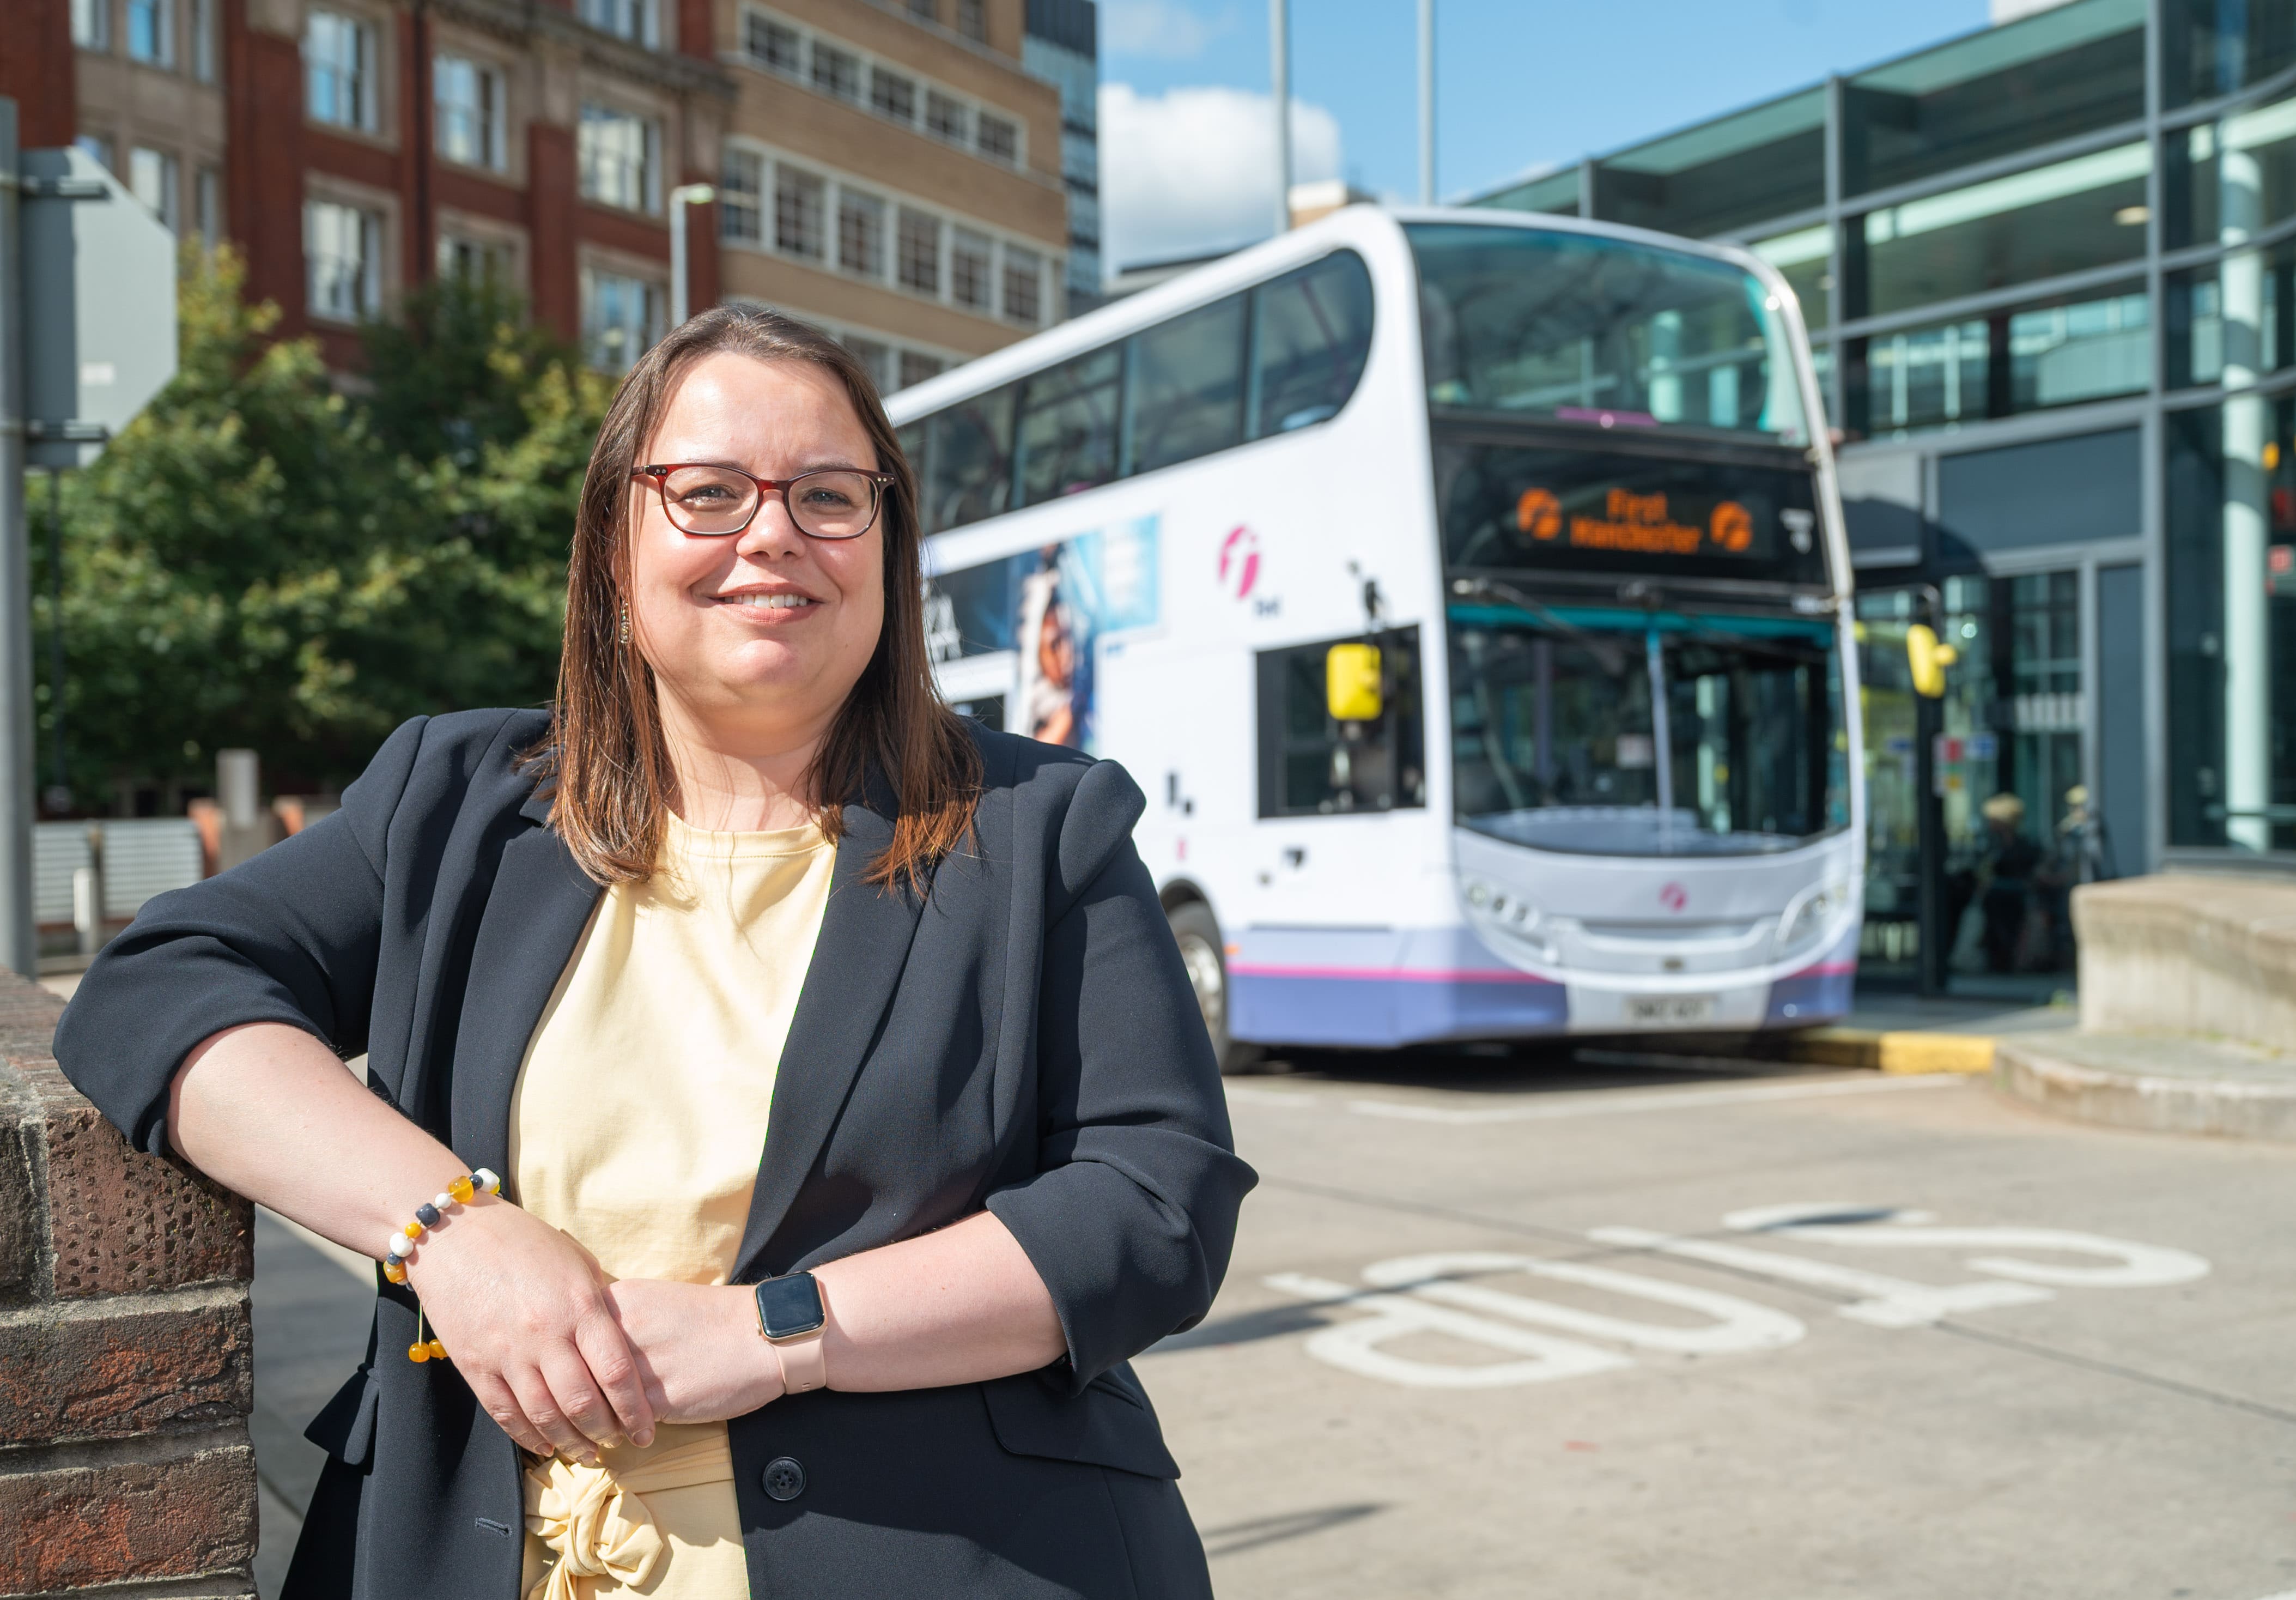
(1279, 44)
(1426, 102)
(62, 792)
(18, 950)
(681, 197)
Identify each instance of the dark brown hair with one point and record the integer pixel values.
(605, 758)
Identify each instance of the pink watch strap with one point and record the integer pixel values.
(805, 1365)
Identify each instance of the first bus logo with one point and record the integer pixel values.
(1239, 562)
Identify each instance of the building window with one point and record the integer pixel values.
(207, 206)
(338, 65)
(151, 179)
(203, 40)
(637, 21)
(836, 71)
(947, 119)
(91, 24)
(999, 139)
(776, 44)
(621, 156)
(970, 269)
(927, 10)
(920, 251)
(477, 263)
(741, 197)
(2038, 223)
(152, 32)
(342, 246)
(973, 19)
(873, 354)
(917, 366)
(799, 198)
(96, 148)
(469, 100)
(1024, 280)
(860, 232)
(892, 95)
(621, 317)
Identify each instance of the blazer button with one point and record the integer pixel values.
(784, 1478)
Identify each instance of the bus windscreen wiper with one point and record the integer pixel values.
(1607, 655)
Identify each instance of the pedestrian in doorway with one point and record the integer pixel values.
(786, 1112)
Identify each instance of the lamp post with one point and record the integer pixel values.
(1279, 41)
(681, 197)
(1426, 102)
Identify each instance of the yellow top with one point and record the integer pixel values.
(636, 1124)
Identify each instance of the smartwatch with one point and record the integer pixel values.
(790, 1317)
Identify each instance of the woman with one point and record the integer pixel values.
(817, 1035)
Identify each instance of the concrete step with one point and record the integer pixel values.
(2166, 1083)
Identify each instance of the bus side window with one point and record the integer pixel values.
(1068, 426)
(1311, 338)
(1186, 388)
(971, 454)
(1310, 766)
(913, 439)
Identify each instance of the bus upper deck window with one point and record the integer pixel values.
(1311, 339)
(969, 455)
(1186, 387)
(1068, 427)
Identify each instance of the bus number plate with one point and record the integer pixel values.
(1668, 1011)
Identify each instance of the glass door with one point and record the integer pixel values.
(2009, 760)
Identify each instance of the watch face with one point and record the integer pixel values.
(790, 1305)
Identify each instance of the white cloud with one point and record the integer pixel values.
(1193, 170)
(1164, 30)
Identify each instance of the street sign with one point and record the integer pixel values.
(99, 298)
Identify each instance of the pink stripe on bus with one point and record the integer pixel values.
(1393, 974)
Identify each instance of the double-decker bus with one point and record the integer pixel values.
(1467, 592)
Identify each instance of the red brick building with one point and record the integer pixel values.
(353, 148)
(892, 169)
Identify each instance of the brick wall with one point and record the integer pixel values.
(126, 1368)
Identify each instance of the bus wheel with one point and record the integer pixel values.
(1198, 935)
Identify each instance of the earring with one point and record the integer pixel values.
(624, 635)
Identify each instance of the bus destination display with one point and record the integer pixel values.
(1505, 507)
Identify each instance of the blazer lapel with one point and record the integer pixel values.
(540, 904)
(865, 935)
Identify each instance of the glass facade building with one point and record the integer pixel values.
(1061, 46)
(2049, 271)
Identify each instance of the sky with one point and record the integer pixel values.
(1187, 140)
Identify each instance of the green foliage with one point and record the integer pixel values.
(263, 561)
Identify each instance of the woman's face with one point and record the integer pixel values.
(744, 670)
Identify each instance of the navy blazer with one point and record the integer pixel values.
(1023, 1038)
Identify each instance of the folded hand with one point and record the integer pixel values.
(699, 1352)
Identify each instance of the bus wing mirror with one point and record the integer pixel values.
(1352, 689)
(1928, 659)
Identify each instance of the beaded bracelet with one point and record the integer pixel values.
(458, 1192)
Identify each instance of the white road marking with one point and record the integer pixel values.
(1421, 1294)
(1355, 1345)
(2134, 1266)
(1738, 1325)
(1596, 1104)
(1884, 1303)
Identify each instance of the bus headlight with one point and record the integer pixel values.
(1507, 912)
(1810, 914)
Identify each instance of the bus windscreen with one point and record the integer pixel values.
(1513, 505)
(1615, 332)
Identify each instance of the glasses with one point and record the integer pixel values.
(839, 502)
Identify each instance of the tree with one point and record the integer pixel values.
(261, 559)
